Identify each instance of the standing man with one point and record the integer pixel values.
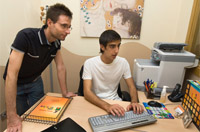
(31, 52)
(103, 73)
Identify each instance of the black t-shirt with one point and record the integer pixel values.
(38, 53)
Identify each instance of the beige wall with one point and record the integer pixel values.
(14, 17)
(163, 20)
(2, 100)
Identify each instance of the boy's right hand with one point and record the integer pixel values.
(116, 109)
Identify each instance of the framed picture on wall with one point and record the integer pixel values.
(123, 16)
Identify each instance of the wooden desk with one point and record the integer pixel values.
(80, 110)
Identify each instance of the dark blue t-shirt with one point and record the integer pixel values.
(38, 53)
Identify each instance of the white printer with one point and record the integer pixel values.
(166, 66)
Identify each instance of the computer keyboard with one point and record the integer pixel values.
(107, 123)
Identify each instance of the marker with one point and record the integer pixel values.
(146, 86)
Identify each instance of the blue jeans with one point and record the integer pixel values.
(28, 95)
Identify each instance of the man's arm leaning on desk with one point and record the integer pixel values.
(61, 72)
(137, 108)
(14, 122)
(114, 109)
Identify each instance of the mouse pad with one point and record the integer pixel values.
(158, 113)
(67, 125)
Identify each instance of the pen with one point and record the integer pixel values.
(145, 84)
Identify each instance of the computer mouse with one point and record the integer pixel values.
(154, 104)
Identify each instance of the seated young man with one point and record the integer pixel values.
(103, 73)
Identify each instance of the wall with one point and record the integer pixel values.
(14, 16)
(2, 102)
(163, 20)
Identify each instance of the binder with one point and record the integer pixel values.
(48, 110)
(67, 125)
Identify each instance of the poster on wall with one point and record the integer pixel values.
(123, 16)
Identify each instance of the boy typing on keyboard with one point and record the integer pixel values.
(103, 73)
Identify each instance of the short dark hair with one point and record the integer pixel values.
(107, 37)
(56, 10)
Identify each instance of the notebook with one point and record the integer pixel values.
(48, 111)
(67, 125)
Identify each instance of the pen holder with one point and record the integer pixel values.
(149, 94)
(148, 89)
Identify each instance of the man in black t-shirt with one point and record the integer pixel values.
(31, 52)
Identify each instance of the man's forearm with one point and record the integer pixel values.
(61, 73)
(10, 96)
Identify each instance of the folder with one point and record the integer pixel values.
(67, 125)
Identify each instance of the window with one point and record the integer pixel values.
(193, 35)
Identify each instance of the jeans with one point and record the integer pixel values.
(28, 95)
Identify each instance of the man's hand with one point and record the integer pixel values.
(70, 94)
(116, 109)
(137, 108)
(14, 124)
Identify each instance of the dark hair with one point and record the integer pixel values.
(132, 17)
(107, 37)
(56, 10)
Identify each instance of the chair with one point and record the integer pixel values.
(122, 94)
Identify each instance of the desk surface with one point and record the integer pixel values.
(80, 110)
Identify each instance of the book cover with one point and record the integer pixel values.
(49, 110)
